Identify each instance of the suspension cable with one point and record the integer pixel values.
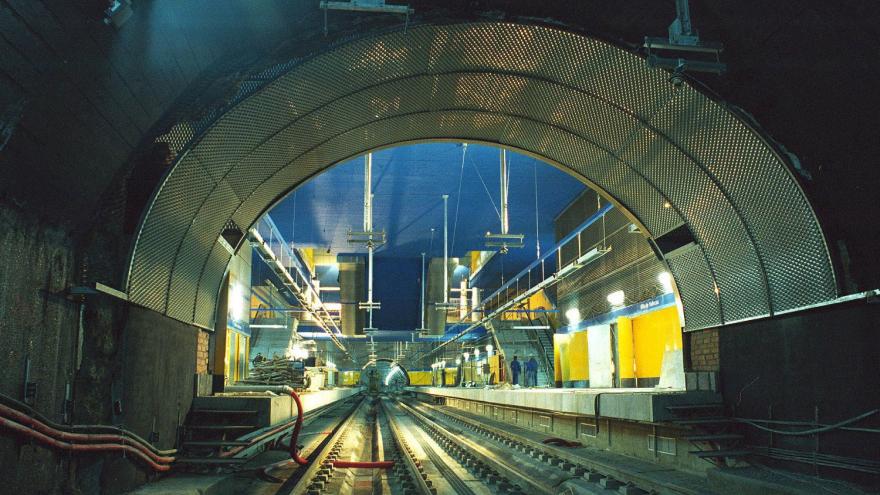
(458, 197)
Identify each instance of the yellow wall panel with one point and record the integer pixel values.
(420, 378)
(578, 357)
(495, 367)
(653, 334)
(538, 300)
(562, 369)
(626, 366)
(450, 376)
(350, 378)
(558, 340)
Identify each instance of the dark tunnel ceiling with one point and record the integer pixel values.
(92, 94)
(582, 104)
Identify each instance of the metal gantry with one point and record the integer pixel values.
(504, 240)
(370, 238)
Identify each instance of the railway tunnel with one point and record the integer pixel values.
(303, 247)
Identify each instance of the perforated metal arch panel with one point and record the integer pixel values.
(584, 105)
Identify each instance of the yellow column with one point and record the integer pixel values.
(558, 339)
(578, 360)
(626, 365)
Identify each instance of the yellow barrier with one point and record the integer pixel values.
(578, 358)
(653, 334)
(350, 378)
(626, 361)
(420, 378)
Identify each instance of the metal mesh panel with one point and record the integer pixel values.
(637, 280)
(213, 216)
(713, 221)
(575, 101)
(626, 248)
(169, 218)
(735, 156)
(209, 285)
(696, 287)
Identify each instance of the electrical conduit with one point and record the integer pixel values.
(95, 447)
(26, 421)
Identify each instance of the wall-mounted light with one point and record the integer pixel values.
(616, 298)
(665, 280)
(573, 316)
(297, 352)
(467, 356)
(457, 361)
(489, 349)
(237, 303)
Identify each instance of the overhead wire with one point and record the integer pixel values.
(458, 197)
(485, 187)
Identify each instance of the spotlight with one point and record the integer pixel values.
(616, 298)
(573, 316)
(665, 280)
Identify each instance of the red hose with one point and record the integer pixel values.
(562, 442)
(294, 453)
(96, 447)
(368, 465)
(24, 419)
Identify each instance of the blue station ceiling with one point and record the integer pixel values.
(408, 182)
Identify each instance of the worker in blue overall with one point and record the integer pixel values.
(515, 370)
(532, 372)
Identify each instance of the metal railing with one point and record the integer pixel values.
(294, 274)
(544, 272)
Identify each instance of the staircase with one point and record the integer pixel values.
(208, 435)
(712, 436)
(545, 337)
(525, 342)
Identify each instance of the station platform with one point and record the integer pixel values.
(272, 409)
(633, 404)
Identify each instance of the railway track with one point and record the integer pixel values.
(430, 455)
(400, 446)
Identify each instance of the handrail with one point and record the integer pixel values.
(319, 312)
(546, 281)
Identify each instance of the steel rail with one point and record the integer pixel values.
(642, 480)
(530, 484)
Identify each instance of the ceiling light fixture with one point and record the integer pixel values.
(617, 298)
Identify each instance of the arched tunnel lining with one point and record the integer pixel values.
(392, 364)
(588, 107)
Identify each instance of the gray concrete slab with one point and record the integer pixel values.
(635, 404)
(274, 409)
